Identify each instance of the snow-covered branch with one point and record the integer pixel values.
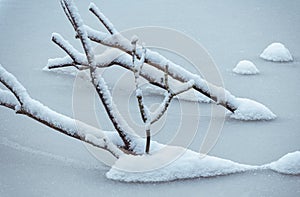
(78, 58)
(97, 80)
(77, 22)
(170, 94)
(7, 99)
(137, 67)
(144, 110)
(158, 61)
(37, 111)
(152, 66)
(147, 117)
(108, 25)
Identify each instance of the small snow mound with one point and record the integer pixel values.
(251, 110)
(172, 163)
(288, 164)
(245, 67)
(277, 52)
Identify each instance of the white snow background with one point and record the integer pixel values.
(36, 161)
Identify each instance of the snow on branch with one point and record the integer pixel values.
(219, 95)
(123, 129)
(11, 83)
(184, 87)
(37, 111)
(147, 117)
(78, 58)
(7, 99)
(108, 25)
(77, 22)
(154, 62)
(170, 94)
(64, 62)
(158, 61)
(92, 63)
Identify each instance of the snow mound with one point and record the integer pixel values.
(172, 163)
(251, 110)
(277, 52)
(245, 67)
(288, 164)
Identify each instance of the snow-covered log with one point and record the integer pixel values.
(19, 100)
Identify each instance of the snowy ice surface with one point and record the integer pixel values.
(245, 67)
(277, 52)
(288, 164)
(24, 174)
(66, 161)
(251, 110)
(172, 163)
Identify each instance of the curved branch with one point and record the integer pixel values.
(177, 72)
(97, 80)
(61, 123)
(8, 100)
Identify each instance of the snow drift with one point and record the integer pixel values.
(288, 164)
(277, 52)
(245, 67)
(251, 110)
(175, 163)
(172, 163)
